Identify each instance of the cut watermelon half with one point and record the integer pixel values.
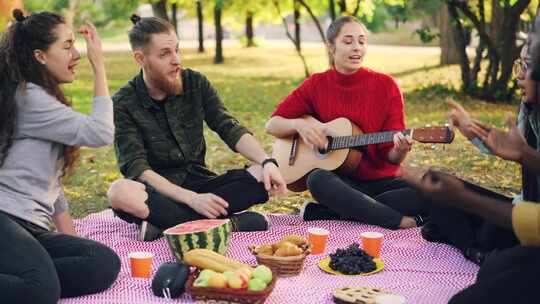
(208, 233)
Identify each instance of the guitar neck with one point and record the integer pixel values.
(356, 141)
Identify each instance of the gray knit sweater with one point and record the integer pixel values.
(30, 186)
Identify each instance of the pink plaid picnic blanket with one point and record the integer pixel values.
(423, 272)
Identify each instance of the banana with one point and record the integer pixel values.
(208, 259)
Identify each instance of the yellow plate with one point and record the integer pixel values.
(324, 265)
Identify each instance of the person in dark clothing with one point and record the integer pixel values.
(474, 236)
(160, 146)
(510, 232)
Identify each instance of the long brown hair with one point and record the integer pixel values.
(18, 66)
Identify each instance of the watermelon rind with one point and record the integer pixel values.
(215, 238)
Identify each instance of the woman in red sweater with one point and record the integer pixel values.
(375, 194)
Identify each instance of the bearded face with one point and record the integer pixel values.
(160, 61)
(169, 81)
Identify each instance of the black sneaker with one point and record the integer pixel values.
(312, 211)
(431, 233)
(475, 255)
(249, 221)
(149, 232)
(421, 220)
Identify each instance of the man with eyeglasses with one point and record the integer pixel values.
(473, 235)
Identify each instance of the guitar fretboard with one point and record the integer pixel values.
(346, 142)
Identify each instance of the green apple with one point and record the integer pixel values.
(206, 274)
(256, 285)
(263, 273)
(200, 282)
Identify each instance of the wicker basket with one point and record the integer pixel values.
(228, 295)
(283, 266)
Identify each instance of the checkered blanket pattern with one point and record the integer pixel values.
(423, 272)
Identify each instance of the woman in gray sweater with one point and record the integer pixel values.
(39, 138)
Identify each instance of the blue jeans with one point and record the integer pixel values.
(40, 266)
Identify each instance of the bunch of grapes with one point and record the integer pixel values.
(352, 260)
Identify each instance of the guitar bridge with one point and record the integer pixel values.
(294, 149)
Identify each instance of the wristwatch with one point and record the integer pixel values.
(269, 160)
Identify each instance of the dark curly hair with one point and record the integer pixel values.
(18, 66)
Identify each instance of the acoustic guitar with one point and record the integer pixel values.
(297, 159)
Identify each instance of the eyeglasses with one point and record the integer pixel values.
(520, 66)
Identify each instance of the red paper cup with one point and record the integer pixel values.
(317, 237)
(141, 264)
(371, 242)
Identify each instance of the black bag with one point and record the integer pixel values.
(170, 280)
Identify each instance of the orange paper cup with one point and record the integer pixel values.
(371, 242)
(141, 264)
(317, 237)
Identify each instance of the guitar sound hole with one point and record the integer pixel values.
(323, 151)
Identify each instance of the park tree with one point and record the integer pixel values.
(101, 13)
(497, 24)
(250, 13)
(200, 25)
(159, 8)
(294, 39)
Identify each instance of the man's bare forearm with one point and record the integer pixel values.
(165, 187)
(251, 149)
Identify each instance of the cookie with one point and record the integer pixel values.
(356, 295)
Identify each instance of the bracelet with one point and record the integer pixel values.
(269, 160)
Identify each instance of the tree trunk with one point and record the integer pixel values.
(219, 35)
(314, 18)
(498, 37)
(174, 20)
(357, 8)
(449, 50)
(342, 6)
(459, 41)
(332, 9)
(200, 19)
(249, 29)
(159, 9)
(297, 37)
(288, 33)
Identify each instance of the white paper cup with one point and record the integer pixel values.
(390, 299)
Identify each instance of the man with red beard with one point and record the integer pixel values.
(161, 149)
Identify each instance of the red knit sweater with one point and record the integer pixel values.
(371, 100)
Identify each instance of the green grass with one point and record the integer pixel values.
(253, 81)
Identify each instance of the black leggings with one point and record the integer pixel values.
(39, 266)
(380, 202)
(508, 276)
(464, 230)
(238, 187)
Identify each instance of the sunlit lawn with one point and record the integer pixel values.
(253, 81)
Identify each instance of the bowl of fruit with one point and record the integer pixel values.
(286, 257)
(220, 278)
